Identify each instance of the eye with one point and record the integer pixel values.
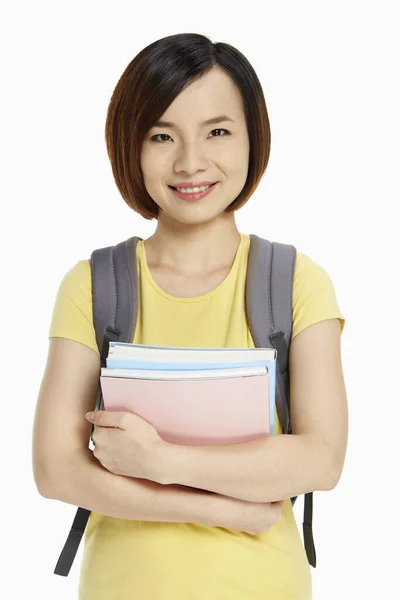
(158, 135)
(153, 138)
(220, 130)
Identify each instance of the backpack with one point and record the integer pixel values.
(269, 287)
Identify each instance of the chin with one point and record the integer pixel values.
(193, 213)
(199, 219)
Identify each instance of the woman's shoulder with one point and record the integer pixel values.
(80, 272)
(314, 295)
(72, 316)
(308, 271)
(305, 265)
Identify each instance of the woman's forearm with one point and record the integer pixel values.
(86, 483)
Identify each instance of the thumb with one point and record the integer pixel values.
(105, 418)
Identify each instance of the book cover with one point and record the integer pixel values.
(207, 411)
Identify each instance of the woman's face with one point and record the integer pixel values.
(190, 151)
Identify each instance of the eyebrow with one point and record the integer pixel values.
(212, 121)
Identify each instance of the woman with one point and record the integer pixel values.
(189, 113)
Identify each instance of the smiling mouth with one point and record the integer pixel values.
(174, 188)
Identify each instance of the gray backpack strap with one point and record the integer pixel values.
(115, 301)
(115, 292)
(269, 288)
(269, 293)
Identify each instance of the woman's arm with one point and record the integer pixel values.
(64, 467)
(87, 484)
(283, 466)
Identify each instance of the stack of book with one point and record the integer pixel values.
(199, 396)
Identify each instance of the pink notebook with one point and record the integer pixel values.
(195, 412)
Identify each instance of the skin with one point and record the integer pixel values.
(197, 238)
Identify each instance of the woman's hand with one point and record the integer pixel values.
(125, 444)
(249, 517)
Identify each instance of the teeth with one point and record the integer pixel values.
(195, 190)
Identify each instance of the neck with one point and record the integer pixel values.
(199, 249)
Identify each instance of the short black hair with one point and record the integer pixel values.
(147, 87)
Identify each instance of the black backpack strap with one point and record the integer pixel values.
(307, 530)
(71, 545)
(270, 284)
(115, 299)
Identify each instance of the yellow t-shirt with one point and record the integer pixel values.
(148, 560)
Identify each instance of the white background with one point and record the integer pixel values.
(330, 74)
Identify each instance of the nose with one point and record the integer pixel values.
(191, 157)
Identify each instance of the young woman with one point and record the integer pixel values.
(187, 113)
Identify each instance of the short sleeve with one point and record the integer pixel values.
(72, 316)
(314, 296)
